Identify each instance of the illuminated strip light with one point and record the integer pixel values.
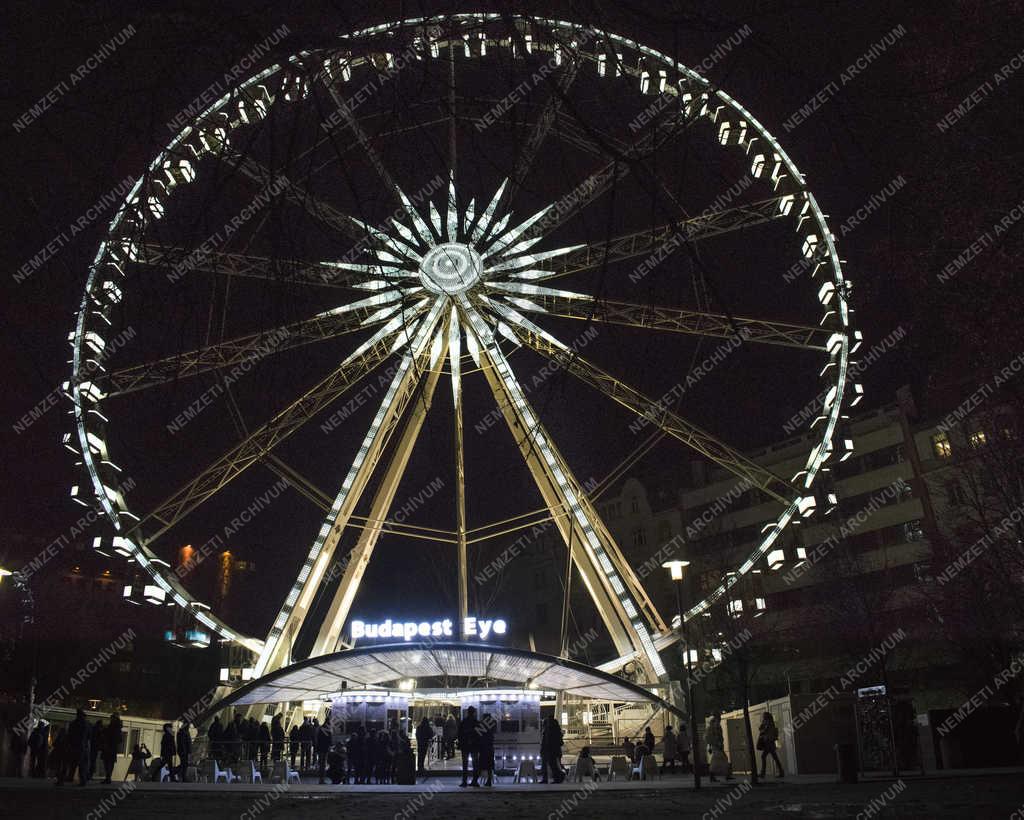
(573, 502)
(690, 76)
(485, 218)
(422, 336)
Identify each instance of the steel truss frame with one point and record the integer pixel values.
(428, 332)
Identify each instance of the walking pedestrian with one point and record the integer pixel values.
(277, 735)
(337, 764)
(111, 743)
(62, 755)
(354, 746)
(469, 745)
(79, 748)
(683, 748)
(488, 726)
(293, 742)
(215, 734)
(248, 746)
(668, 758)
(306, 743)
(424, 734)
(323, 746)
(38, 747)
(718, 763)
(315, 724)
(450, 735)
(264, 743)
(649, 740)
(167, 749)
(767, 737)
(137, 766)
(231, 740)
(551, 751)
(96, 734)
(184, 749)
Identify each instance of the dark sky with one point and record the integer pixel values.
(878, 127)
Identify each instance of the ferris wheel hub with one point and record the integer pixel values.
(451, 268)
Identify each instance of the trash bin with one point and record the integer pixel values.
(846, 762)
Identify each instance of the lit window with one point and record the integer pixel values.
(941, 445)
(977, 438)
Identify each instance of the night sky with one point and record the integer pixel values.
(877, 127)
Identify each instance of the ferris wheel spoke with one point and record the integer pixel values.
(608, 579)
(658, 414)
(543, 126)
(600, 181)
(223, 263)
(401, 392)
(568, 129)
(676, 320)
(376, 522)
(248, 349)
(260, 442)
(371, 154)
(652, 240)
(324, 212)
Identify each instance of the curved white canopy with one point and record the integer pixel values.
(386, 665)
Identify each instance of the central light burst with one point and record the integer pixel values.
(451, 268)
(475, 261)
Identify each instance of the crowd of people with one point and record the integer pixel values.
(363, 757)
(676, 748)
(74, 750)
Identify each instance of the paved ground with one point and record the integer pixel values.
(974, 796)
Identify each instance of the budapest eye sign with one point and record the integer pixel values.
(472, 628)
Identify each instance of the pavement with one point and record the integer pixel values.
(972, 794)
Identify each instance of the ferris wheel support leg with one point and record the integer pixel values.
(359, 558)
(460, 509)
(400, 393)
(585, 536)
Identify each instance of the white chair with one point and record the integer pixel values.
(283, 773)
(649, 768)
(619, 766)
(226, 774)
(165, 774)
(255, 775)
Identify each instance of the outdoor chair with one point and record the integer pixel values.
(584, 767)
(255, 775)
(283, 773)
(226, 774)
(619, 766)
(526, 769)
(649, 768)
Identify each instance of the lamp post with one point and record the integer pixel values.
(676, 569)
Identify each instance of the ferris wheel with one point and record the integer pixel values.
(455, 235)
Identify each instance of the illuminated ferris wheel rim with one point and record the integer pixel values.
(819, 246)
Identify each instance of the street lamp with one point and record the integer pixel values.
(675, 568)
